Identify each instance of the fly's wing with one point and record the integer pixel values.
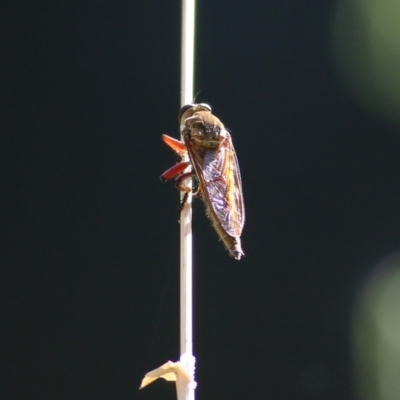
(219, 177)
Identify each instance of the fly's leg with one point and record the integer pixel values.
(176, 145)
(197, 192)
(179, 182)
(182, 204)
(174, 171)
(180, 186)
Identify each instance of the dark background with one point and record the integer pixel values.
(90, 248)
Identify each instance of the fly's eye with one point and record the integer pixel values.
(183, 110)
(206, 106)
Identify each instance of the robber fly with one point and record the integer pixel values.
(213, 163)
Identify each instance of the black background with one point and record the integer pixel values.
(90, 248)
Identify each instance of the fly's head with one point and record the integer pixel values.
(203, 127)
(188, 110)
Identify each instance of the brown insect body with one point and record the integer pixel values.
(215, 166)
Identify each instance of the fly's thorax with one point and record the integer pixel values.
(205, 129)
(204, 118)
(208, 137)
